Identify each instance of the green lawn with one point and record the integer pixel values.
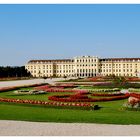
(43, 97)
(110, 112)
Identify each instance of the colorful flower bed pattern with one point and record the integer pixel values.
(67, 98)
(81, 95)
(37, 102)
(103, 90)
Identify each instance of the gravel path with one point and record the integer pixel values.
(21, 128)
(27, 82)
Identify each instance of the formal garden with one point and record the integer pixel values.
(112, 101)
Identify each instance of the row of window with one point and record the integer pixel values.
(133, 60)
(47, 71)
(124, 65)
(86, 60)
(86, 65)
(117, 70)
(50, 67)
(86, 74)
(85, 70)
(118, 74)
(50, 75)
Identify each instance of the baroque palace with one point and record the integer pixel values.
(85, 66)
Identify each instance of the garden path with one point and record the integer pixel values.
(21, 128)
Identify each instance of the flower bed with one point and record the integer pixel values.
(37, 102)
(108, 95)
(68, 98)
(77, 96)
(103, 84)
(133, 95)
(43, 87)
(133, 79)
(80, 95)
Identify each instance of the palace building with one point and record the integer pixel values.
(84, 66)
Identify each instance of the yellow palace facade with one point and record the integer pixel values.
(84, 66)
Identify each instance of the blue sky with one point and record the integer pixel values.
(64, 31)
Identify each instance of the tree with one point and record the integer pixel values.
(14, 72)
